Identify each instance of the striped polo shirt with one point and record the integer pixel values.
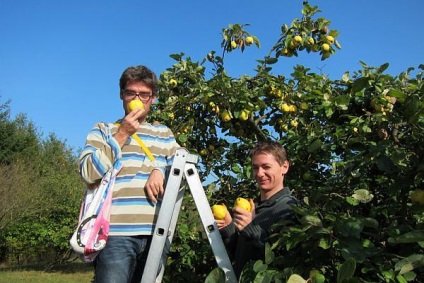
(132, 213)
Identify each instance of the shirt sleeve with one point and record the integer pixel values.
(99, 153)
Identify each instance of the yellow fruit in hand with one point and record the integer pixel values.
(219, 211)
(325, 47)
(134, 104)
(243, 203)
(249, 40)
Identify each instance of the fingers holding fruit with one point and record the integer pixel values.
(243, 212)
(221, 215)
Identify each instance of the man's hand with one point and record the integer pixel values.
(224, 222)
(129, 126)
(154, 185)
(242, 218)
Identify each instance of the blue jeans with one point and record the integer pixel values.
(122, 260)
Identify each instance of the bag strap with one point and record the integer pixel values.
(142, 145)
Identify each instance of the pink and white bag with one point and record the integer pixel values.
(93, 226)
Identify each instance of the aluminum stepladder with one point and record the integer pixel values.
(183, 166)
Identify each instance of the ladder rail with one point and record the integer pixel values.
(161, 231)
(183, 167)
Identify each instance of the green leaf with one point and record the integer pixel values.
(359, 84)
(215, 276)
(410, 237)
(342, 102)
(347, 270)
(271, 60)
(324, 243)
(311, 220)
(409, 263)
(269, 254)
(294, 278)
(259, 266)
(315, 145)
(363, 195)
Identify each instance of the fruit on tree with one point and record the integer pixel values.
(243, 203)
(233, 44)
(134, 104)
(173, 83)
(311, 40)
(219, 211)
(293, 108)
(285, 108)
(298, 39)
(417, 197)
(244, 115)
(225, 116)
(249, 40)
(294, 123)
(325, 47)
(330, 39)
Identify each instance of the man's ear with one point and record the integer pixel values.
(285, 167)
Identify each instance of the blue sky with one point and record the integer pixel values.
(60, 61)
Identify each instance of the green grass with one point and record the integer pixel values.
(72, 272)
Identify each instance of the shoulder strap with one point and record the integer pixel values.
(142, 145)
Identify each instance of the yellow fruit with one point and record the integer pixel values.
(171, 116)
(417, 197)
(325, 47)
(294, 123)
(134, 104)
(311, 40)
(219, 211)
(298, 38)
(390, 99)
(293, 44)
(244, 115)
(233, 45)
(225, 116)
(173, 83)
(285, 107)
(243, 203)
(293, 108)
(249, 40)
(204, 152)
(330, 39)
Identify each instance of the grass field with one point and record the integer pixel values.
(73, 272)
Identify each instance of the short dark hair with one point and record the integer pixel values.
(139, 74)
(272, 147)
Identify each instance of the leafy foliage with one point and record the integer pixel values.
(354, 146)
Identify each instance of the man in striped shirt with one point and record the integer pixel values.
(145, 150)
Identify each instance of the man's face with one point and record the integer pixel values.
(268, 173)
(140, 91)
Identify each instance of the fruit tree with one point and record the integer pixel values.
(355, 151)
